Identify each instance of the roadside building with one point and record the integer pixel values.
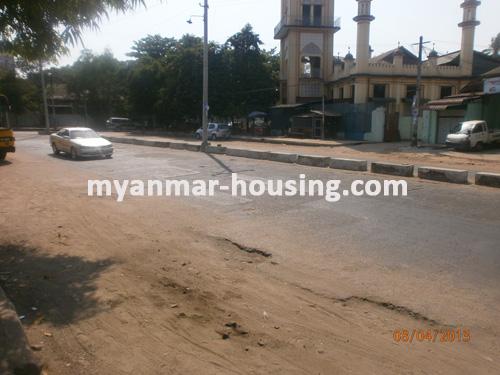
(386, 82)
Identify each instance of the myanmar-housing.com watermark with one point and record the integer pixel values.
(331, 190)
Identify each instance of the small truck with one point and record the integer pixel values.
(7, 142)
(472, 135)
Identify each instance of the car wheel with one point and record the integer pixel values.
(479, 147)
(213, 137)
(108, 156)
(74, 154)
(54, 149)
(3, 154)
(197, 136)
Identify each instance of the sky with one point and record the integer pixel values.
(396, 21)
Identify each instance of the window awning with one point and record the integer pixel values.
(451, 102)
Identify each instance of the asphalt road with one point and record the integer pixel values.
(442, 240)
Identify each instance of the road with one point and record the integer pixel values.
(342, 277)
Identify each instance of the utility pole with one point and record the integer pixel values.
(416, 99)
(206, 108)
(323, 119)
(44, 97)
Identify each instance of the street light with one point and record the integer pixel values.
(206, 107)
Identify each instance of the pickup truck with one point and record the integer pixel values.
(472, 135)
(6, 142)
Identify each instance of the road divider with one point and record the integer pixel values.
(249, 154)
(314, 161)
(282, 157)
(402, 170)
(488, 179)
(453, 176)
(349, 164)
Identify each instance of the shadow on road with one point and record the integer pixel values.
(4, 163)
(58, 289)
(68, 157)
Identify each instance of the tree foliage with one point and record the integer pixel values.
(495, 45)
(40, 29)
(163, 83)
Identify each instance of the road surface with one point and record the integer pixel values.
(154, 285)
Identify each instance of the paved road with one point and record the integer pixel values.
(440, 240)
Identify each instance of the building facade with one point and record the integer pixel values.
(306, 32)
(387, 80)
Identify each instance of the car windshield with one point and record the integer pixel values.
(223, 127)
(463, 128)
(76, 134)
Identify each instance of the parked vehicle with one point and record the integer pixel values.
(215, 131)
(472, 135)
(80, 143)
(120, 123)
(7, 142)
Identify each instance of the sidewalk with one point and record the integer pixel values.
(398, 152)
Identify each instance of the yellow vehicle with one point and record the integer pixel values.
(7, 142)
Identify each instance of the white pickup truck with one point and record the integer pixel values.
(472, 135)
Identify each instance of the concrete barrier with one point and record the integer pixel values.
(488, 179)
(453, 176)
(192, 147)
(161, 144)
(314, 161)
(178, 145)
(349, 164)
(249, 154)
(393, 169)
(281, 157)
(216, 150)
(16, 356)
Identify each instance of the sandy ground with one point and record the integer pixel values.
(140, 288)
(486, 161)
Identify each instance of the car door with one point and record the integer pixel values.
(64, 141)
(477, 135)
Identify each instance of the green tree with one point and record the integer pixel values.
(495, 45)
(40, 29)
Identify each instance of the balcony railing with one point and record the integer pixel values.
(282, 28)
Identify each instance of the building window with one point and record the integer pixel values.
(446, 91)
(411, 91)
(306, 15)
(311, 15)
(352, 91)
(311, 67)
(341, 93)
(379, 91)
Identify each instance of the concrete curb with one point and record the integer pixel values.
(314, 161)
(393, 169)
(488, 179)
(281, 157)
(453, 176)
(16, 357)
(402, 170)
(216, 150)
(249, 154)
(349, 164)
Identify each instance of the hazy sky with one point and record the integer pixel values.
(396, 20)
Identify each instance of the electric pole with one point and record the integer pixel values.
(206, 108)
(44, 97)
(417, 98)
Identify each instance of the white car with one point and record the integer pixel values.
(215, 131)
(80, 143)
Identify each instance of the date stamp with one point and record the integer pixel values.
(434, 336)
